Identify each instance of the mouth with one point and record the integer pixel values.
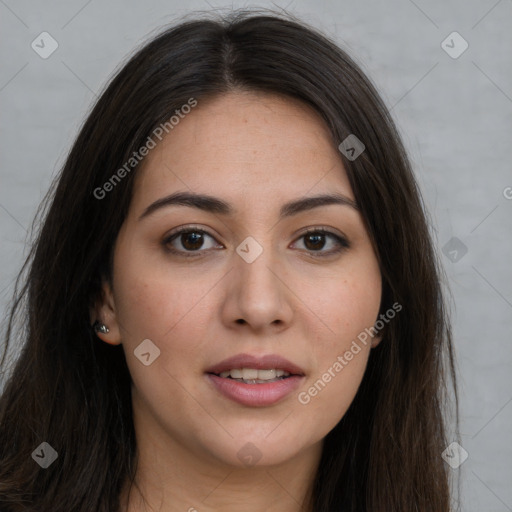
(254, 375)
(255, 381)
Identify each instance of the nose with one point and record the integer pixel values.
(258, 295)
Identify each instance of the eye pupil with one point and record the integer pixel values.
(194, 237)
(318, 241)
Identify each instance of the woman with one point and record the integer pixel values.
(233, 302)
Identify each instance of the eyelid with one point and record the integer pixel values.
(322, 229)
(186, 228)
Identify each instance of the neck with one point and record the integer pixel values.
(171, 478)
(269, 489)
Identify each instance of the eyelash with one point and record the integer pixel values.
(342, 242)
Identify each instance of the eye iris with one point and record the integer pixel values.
(194, 237)
(318, 241)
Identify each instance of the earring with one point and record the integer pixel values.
(99, 327)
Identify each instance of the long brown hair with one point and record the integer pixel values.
(72, 391)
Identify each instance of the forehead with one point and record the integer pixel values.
(251, 145)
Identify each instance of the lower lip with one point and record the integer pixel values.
(255, 395)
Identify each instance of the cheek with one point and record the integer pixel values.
(345, 306)
(151, 301)
(329, 394)
(175, 316)
(349, 308)
(340, 364)
(172, 309)
(161, 308)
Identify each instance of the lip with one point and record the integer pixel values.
(255, 395)
(258, 362)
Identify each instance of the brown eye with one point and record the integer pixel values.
(188, 240)
(192, 240)
(315, 240)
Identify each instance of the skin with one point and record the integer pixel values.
(255, 151)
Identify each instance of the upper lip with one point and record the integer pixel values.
(262, 362)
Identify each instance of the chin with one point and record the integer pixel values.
(249, 451)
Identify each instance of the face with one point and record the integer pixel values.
(253, 284)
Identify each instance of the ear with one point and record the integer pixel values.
(376, 340)
(380, 333)
(104, 311)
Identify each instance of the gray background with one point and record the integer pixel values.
(455, 115)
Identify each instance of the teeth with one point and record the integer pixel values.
(253, 374)
(249, 374)
(263, 374)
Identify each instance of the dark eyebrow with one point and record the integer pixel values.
(214, 205)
